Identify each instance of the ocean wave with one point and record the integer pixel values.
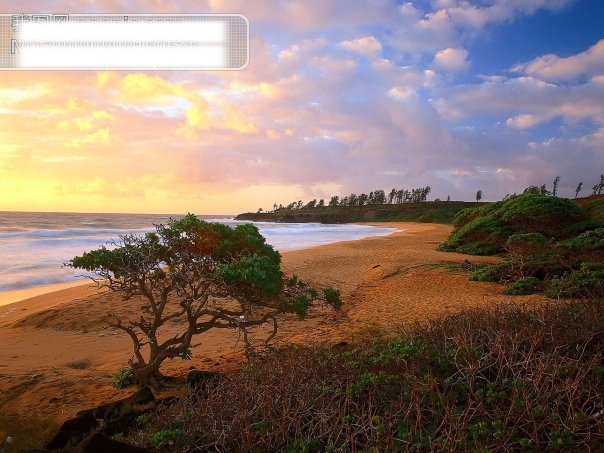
(72, 233)
(33, 255)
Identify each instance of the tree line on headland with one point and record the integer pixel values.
(376, 197)
(403, 205)
(406, 196)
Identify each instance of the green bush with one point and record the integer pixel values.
(587, 281)
(426, 218)
(550, 216)
(523, 286)
(123, 378)
(465, 216)
(485, 230)
(484, 274)
(586, 247)
(482, 236)
(581, 227)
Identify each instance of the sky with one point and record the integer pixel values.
(339, 96)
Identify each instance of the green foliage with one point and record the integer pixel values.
(305, 446)
(587, 281)
(429, 211)
(543, 236)
(526, 244)
(426, 218)
(200, 276)
(123, 378)
(486, 229)
(164, 438)
(482, 236)
(484, 274)
(465, 216)
(299, 305)
(332, 297)
(581, 227)
(587, 246)
(259, 273)
(523, 286)
(542, 214)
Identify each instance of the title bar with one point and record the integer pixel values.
(126, 42)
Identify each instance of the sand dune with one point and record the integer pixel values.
(58, 354)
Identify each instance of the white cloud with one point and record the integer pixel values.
(450, 22)
(523, 121)
(450, 59)
(553, 68)
(367, 46)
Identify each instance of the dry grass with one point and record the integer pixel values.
(504, 379)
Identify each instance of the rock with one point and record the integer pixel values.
(72, 432)
(112, 410)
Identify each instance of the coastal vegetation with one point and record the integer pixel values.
(199, 276)
(404, 205)
(398, 205)
(548, 243)
(503, 378)
(499, 378)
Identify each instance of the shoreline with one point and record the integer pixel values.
(59, 354)
(24, 294)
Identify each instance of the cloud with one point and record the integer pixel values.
(100, 136)
(367, 46)
(11, 96)
(524, 102)
(144, 88)
(523, 121)
(338, 97)
(588, 64)
(455, 60)
(450, 23)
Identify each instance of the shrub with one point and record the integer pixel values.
(506, 378)
(484, 274)
(587, 281)
(550, 216)
(197, 275)
(586, 247)
(123, 378)
(523, 286)
(426, 218)
(581, 227)
(485, 230)
(482, 236)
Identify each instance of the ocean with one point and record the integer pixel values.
(34, 246)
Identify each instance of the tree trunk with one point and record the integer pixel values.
(147, 375)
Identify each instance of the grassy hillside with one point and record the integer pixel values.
(593, 205)
(430, 211)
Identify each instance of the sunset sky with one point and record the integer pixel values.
(339, 96)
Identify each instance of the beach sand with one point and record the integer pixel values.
(57, 353)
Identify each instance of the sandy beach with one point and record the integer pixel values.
(58, 354)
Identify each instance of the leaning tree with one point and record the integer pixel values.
(197, 276)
